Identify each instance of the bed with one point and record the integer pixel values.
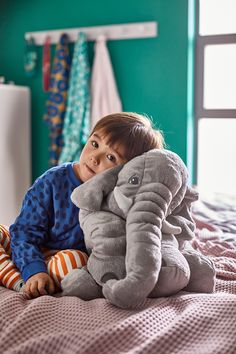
(185, 323)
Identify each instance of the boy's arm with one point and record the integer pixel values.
(30, 230)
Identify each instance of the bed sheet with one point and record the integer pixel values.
(183, 324)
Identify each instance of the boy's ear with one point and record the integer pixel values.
(90, 194)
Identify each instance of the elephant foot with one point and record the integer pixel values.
(171, 280)
(81, 284)
(202, 273)
(174, 273)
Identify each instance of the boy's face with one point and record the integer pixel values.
(97, 156)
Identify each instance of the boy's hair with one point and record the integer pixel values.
(134, 131)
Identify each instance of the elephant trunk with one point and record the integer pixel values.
(143, 253)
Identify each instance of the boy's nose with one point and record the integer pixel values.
(95, 160)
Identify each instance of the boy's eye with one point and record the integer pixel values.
(94, 143)
(111, 158)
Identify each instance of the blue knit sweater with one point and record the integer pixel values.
(48, 219)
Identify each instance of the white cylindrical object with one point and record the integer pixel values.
(15, 150)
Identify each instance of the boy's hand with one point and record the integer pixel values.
(39, 284)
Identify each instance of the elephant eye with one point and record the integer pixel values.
(133, 180)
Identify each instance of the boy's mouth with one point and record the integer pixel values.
(89, 169)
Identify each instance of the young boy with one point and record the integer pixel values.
(46, 236)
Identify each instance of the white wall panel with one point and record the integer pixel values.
(15, 150)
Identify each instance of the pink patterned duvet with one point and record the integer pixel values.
(184, 324)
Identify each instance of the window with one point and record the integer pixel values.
(215, 103)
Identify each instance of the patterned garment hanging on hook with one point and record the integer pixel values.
(30, 57)
(77, 120)
(46, 64)
(57, 99)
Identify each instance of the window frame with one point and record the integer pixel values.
(200, 112)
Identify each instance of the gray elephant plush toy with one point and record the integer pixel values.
(138, 227)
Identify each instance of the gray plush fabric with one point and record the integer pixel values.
(137, 225)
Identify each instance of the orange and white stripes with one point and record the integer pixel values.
(5, 239)
(62, 262)
(59, 263)
(10, 277)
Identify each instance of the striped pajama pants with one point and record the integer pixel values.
(59, 263)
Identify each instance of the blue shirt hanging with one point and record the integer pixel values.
(57, 99)
(77, 120)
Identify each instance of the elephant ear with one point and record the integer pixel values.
(91, 194)
(182, 217)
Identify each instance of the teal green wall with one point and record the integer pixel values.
(191, 134)
(151, 73)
